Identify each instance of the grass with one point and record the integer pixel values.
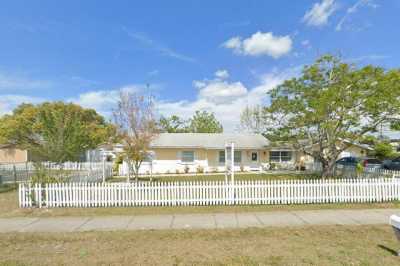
(317, 245)
(9, 208)
(7, 187)
(220, 177)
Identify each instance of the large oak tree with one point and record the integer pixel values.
(331, 105)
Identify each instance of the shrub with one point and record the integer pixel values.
(119, 160)
(241, 168)
(186, 169)
(272, 166)
(42, 175)
(200, 169)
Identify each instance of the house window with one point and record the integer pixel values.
(280, 156)
(150, 156)
(254, 156)
(188, 156)
(237, 157)
(221, 157)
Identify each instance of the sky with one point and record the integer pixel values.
(219, 56)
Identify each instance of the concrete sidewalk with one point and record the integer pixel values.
(198, 221)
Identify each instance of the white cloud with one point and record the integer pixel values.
(222, 92)
(226, 99)
(222, 74)
(353, 9)
(319, 14)
(260, 44)
(234, 43)
(219, 90)
(9, 101)
(103, 101)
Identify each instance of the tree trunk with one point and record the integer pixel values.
(328, 169)
(129, 171)
(136, 174)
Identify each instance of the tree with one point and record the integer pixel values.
(330, 102)
(384, 150)
(251, 120)
(204, 122)
(55, 131)
(136, 128)
(173, 124)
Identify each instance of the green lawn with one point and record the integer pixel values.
(317, 245)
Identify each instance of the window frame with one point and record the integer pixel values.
(234, 157)
(219, 157)
(183, 160)
(279, 157)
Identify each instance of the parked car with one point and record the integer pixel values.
(392, 164)
(371, 163)
(347, 162)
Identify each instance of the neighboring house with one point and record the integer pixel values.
(10, 154)
(285, 156)
(107, 152)
(173, 152)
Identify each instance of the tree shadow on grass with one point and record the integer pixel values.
(392, 251)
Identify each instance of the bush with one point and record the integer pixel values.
(42, 175)
(272, 166)
(186, 169)
(119, 160)
(200, 169)
(241, 168)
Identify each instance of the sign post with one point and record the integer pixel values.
(229, 161)
(230, 169)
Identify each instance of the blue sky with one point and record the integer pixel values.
(214, 55)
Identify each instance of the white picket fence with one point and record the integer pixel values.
(208, 193)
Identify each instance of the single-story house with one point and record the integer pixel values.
(203, 152)
(195, 151)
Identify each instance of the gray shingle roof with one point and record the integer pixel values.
(209, 141)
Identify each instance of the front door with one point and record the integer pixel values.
(254, 158)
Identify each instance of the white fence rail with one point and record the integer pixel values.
(208, 193)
